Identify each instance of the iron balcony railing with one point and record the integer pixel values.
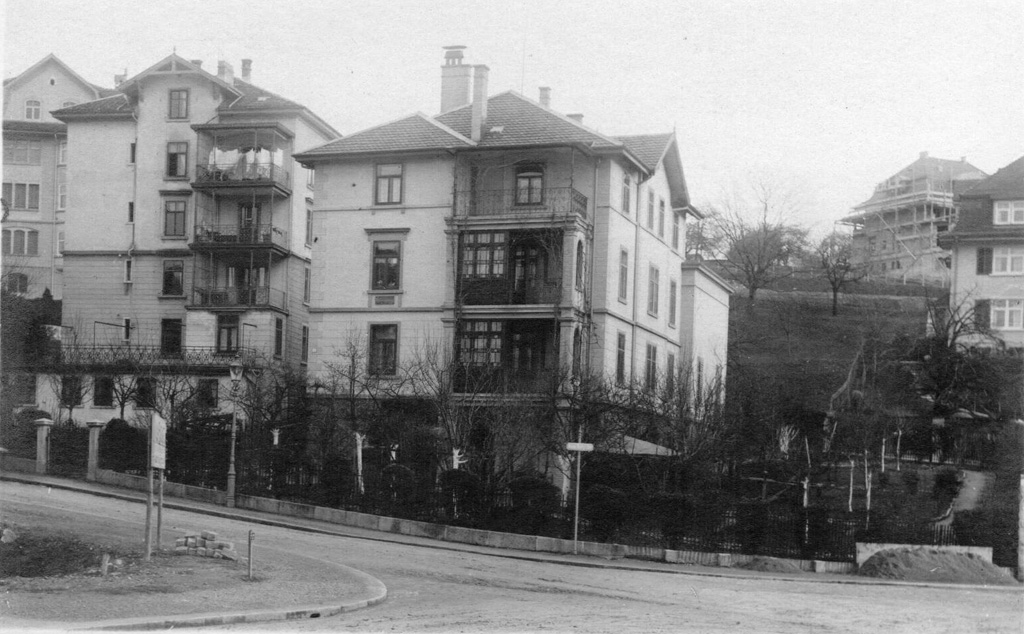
(129, 356)
(233, 234)
(232, 296)
(489, 379)
(252, 174)
(557, 202)
(477, 292)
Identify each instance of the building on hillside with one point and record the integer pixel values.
(35, 188)
(987, 243)
(514, 238)
(895, 231)
(189, 241)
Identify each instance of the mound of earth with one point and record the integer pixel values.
(770, 564)
(930, 564)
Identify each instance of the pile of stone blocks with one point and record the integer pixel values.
(205, 544)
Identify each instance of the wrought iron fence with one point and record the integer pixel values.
(227, 296)
(130, 356)
(242, 174)
(557, 202)
(233, 234)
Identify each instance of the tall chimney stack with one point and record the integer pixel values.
(226, 72)
(247, 70)
(479, 113)
(455, 79)
(545, 96)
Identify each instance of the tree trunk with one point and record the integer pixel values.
(883, 455)
(899, 455)
(853, 467)
(835, 302)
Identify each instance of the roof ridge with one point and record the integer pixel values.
(270, 92)
(445, 128)
(563, 117)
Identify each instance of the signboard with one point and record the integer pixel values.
(158, 441)
(579, 446)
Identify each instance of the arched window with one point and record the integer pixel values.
(579, 265)
(529, 184)
(33, 109)
(15, 283)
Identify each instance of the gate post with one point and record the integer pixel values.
(43, 426)
(95, 427)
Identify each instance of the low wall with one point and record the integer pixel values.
(14, 463)
(173, 489)
(866, 549)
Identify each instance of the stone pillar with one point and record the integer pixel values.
(95, 427)
(43, 426)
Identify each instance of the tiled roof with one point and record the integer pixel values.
(415, 132)
(648, 148)
(524, 122)
(256, 98)
(934, 170)
(114, 105)
(15, 125)
(1007, 182)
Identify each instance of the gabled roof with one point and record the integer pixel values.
(174, 63)
(417, 132)
(1007, 182)
(649, 148)
(116, 105)
(514, 120)
(935, 171)
(28, 72)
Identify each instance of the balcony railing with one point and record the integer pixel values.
(556, 202)
(477, 379)
(238, 296)
(254, 235)
(128, 356)
(245, 174)
(474, 292)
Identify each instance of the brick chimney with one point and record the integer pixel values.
(455, 79)
(198, 63)
(576, 116)
(120, 79)
(479, 114)
(545, 96)
(226, 72)
(246, 70)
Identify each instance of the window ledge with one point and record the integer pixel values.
(171, 296)
(175, 238)
(385, 292)
(175, 178)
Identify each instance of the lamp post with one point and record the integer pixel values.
(235, 368)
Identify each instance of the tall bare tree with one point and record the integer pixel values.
(835, 256)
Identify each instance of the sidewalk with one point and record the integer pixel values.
(315, 526)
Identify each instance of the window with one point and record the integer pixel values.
(174, 218)
(131, 152)
(128, 271)
(386, 265)
(170, 336)
(174, 274)
(16, 283)
(1008, 261)
(579, 266)
(652, 291)
(310, 178)
(206, 393)
(33, 109)
(306, 285)
(305, 344)
(70, 391)
(529, 184)
(177, 104)
(1007, 314)
(21, 242)
(62, 152)
(623, 274)
(389, 184)
(620, 360)
(26, 152)
(383, 349)
(103, 391)
(126, 330)
(672, 303)
(984, 261)
(62, 189)
(278, 337)
(676, 226)
(1009, 212)
(627, 187)
(483, 254)
(177, 159)
(227, 333)
(131, 212)
(145, 392)
(480, 342)
(651, 367)
(670, 373)
(22, 195)
(309, 225)
(661, 218)
(650, 209)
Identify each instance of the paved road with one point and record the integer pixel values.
(433, 590)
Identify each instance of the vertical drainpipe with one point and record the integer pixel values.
(636, 284)
(588, 282)
(56, 197)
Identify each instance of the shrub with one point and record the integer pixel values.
(123, 448)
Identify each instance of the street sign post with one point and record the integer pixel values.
(579, 447)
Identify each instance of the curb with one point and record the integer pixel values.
(503, 553)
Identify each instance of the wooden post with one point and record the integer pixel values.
(160, 509)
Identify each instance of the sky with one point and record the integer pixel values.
(821, 98)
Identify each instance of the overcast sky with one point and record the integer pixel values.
(827, 98)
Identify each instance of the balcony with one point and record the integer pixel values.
(238, 297)
(476, 379)
(509, 292)
(230, 236)
(557, 203)
(227, 176)
(129, 357)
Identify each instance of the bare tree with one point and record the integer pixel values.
(835, 255)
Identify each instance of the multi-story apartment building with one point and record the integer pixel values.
(987, 244)
(896, 230)
(513, 236)
(189, 243)
(35, 188)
